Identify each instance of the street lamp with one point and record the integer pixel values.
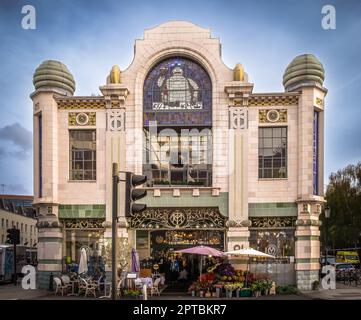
(327, 215)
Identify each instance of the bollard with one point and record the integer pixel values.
(51, 282)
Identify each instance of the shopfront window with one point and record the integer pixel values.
(279, 242)
(272, 152)
(178, 124)
(82, 155)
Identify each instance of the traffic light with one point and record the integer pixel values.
(13, 236)
(132, 194)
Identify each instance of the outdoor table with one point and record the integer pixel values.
(147, 281)
(106, 284)
(73, 282)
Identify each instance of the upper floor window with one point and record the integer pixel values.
(272, 152)
(82, 155)
(177, 120)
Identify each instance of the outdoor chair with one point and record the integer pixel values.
(60, 288)
(87, 287)
(66, 282)
(155, 287)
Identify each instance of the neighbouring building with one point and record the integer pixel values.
(226, 166)
(17, 211)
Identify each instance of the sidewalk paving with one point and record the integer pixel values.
(342, 292)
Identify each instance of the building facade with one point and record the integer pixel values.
(16, 211)
(226, 167)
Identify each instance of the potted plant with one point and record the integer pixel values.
(315, 285)
(246, 292)
(132, 294)
(256, 288)
(239, 286)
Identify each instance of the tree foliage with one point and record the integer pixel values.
(344, 199)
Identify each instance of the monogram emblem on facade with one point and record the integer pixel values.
(238, 118)
(116, 120)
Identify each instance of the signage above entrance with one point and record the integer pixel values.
(179, 218)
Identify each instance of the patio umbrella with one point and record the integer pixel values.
(203, 251)
(135, 261)
(83, 262)
(249, 253)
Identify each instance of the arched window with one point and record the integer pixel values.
(177, 106)
(178, 92)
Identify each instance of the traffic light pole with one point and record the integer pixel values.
(114, 230)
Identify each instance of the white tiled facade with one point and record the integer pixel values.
(235, 151)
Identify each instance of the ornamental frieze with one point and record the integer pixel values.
(263, 100)
(82, 118)
(273, 222)
(273, 116)
(75, 103)
(178, 218)
(83, 223)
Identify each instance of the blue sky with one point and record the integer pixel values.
(91, 36)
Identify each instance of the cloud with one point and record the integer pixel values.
(13, 189)
(20, 137)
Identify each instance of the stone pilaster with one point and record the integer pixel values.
(310, 199)
(238, 233)
(50, 249)
(307, 250)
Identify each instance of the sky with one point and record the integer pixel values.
(91, 36)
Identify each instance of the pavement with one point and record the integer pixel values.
(342, 292)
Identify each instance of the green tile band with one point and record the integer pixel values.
(81, 211)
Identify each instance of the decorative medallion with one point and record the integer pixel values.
(273, 116)
(82, 118)
(273, 222)
(319, 102)
(179, 218)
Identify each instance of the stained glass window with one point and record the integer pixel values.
(178, 92)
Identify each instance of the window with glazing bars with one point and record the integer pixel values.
(272, 152)
(82, 155)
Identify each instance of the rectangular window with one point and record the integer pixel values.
(178, 157)
(26, 228)
(22, 227)
(2, 222)
(315, 151)
(2, 239)
(272, 152)
(82, 159)
(7, 223)
(31, 229)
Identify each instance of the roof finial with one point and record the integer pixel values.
(238, 73)
(115, 75)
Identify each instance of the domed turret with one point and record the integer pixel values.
(304, 69)
(54, 74)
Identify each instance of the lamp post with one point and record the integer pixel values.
(327, 215)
